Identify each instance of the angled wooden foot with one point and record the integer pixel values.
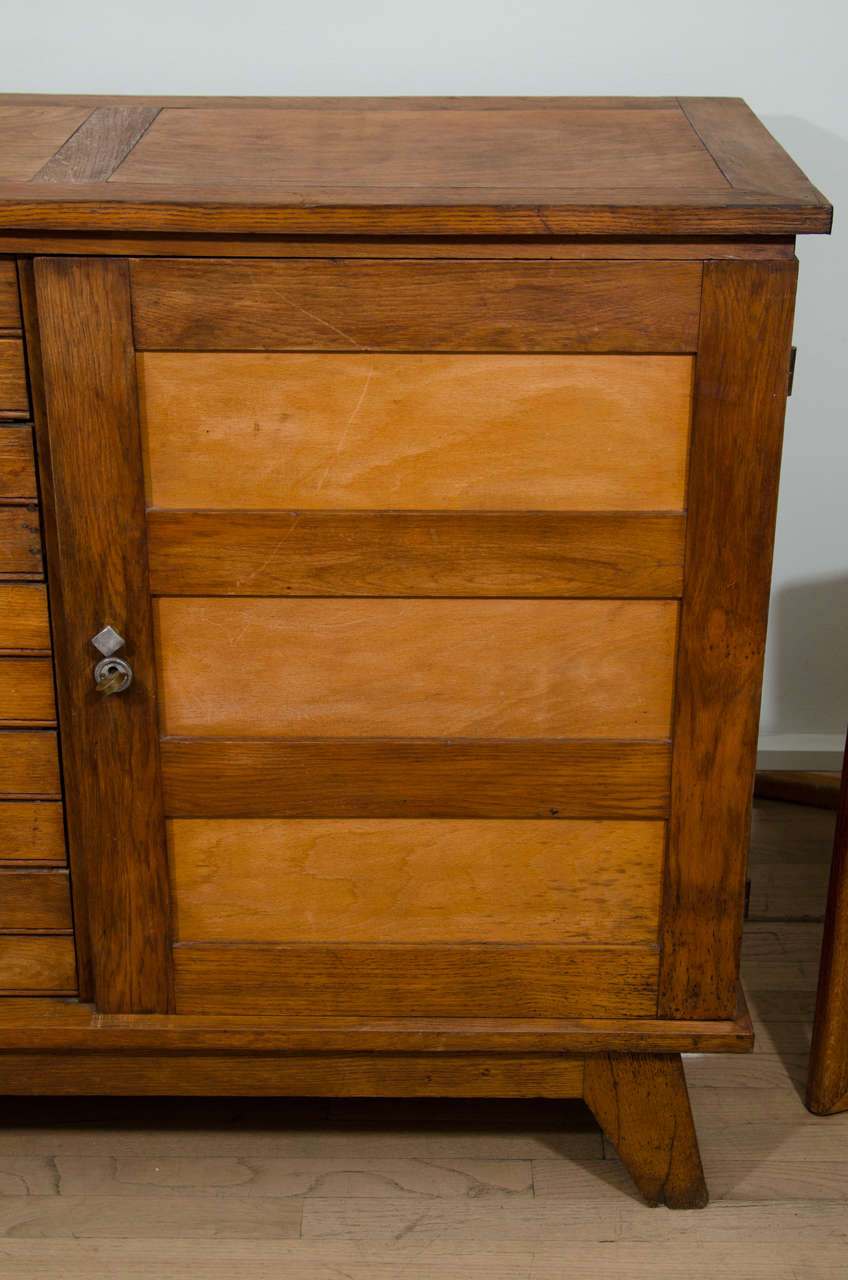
(642, 1104)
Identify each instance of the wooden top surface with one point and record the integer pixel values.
(416, 166)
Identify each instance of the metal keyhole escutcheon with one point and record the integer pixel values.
(111, 674)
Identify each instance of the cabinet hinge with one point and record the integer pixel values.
(791, 377)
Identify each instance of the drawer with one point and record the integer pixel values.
(24, 623)
(34, 900)
(31, 831)
(20, 542)
(37, 965)
(26, 691)
(416, 668)
(17, 464)
(10, 307)
(29, 763)
(422, 432)
(14, 395)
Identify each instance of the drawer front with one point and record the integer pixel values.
(33, 965)
(20, 542)
(10, 307)
(24, 624)
(17, 465)
(39, 901)
(14, 395)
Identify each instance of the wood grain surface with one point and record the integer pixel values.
(29, 763)
(20, 542)
(740, 398)
(321, 1075)
(642, 1104)
(99, 145)
(398, 981)
(23, 616)
(431, 432)
(433, 553)
(31, 133)
(26, 691)
(415, 668)
(392, 778)
(14, 398)
(29, 963)
(426, 880)
(234, 305)
(10, 307)
(17, 464)
(110, 744)
(35, 900)
(31, 831)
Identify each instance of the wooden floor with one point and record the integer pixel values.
(243, 1190)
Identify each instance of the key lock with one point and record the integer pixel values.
(111, 674)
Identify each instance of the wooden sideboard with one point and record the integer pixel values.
(395, 523)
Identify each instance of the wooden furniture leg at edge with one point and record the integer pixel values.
(827, 1077)
(642, 1104)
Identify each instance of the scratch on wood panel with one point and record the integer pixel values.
(297, 306)
(346, 428)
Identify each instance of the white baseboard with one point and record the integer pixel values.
(803, 751)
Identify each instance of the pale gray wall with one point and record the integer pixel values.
(788, 61)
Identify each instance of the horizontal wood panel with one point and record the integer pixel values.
(32, 963)
(395, 553)
(29, 763)
(24, 623)
(425, 880)
(415, 432)
(20, 541)
(14, 396)
(17, 464)
(31, 831)
(415, 981)
(406, 779)
(26, 691)
(415, 668)
(34, 900)
(10, 305)
(336, 1075)
(243, 305)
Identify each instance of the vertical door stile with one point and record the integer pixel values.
(90, 447)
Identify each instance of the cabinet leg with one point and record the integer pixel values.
(642, 1104)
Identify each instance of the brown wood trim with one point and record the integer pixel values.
(33, 963)
(55, 1026)
(827, 1081)
(110, 744)
(29, 764)
(542, 247)
(740, 397)
(331, 1075)
(819, 788)
(99, 145)
(14, 397)
(133, 208)
(26, 691)
(17, 463)
(397, 553)
(372, 778)
(10, 307)
(435, 981)
(38, 900)
(746, 152)
(241, 305)
(20, 542)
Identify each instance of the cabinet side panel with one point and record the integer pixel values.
(740, 395)
(109, 744)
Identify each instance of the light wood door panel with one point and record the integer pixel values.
(416, 668)
(416, 881)
(404, 432)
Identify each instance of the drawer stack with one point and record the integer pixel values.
(36, 930)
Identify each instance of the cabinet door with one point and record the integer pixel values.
(396, 551)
